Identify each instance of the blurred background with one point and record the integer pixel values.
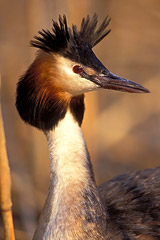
(122, 130)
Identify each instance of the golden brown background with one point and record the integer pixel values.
(122, 130)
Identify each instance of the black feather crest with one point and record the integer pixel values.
(62, 39)
(55, 40)
(90, 34)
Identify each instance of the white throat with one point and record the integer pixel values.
(67, 151)
(73, 201)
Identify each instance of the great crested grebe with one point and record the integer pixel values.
(50, 97)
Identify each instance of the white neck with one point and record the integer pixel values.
(68, 152)
(71, 186)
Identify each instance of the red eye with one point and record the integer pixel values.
(77, 69)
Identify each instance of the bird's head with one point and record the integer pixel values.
(64, 69)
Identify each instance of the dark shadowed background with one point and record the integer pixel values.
(122, 130)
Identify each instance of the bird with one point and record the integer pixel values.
(50, 97)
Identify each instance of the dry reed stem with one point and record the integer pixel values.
(5, 185)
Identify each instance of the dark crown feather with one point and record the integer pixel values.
(62, 37)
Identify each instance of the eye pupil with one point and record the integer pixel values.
(77, 69)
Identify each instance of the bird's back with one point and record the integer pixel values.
(133, 205)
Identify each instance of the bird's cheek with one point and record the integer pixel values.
(79, 86)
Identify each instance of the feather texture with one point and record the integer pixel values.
(62, 37)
